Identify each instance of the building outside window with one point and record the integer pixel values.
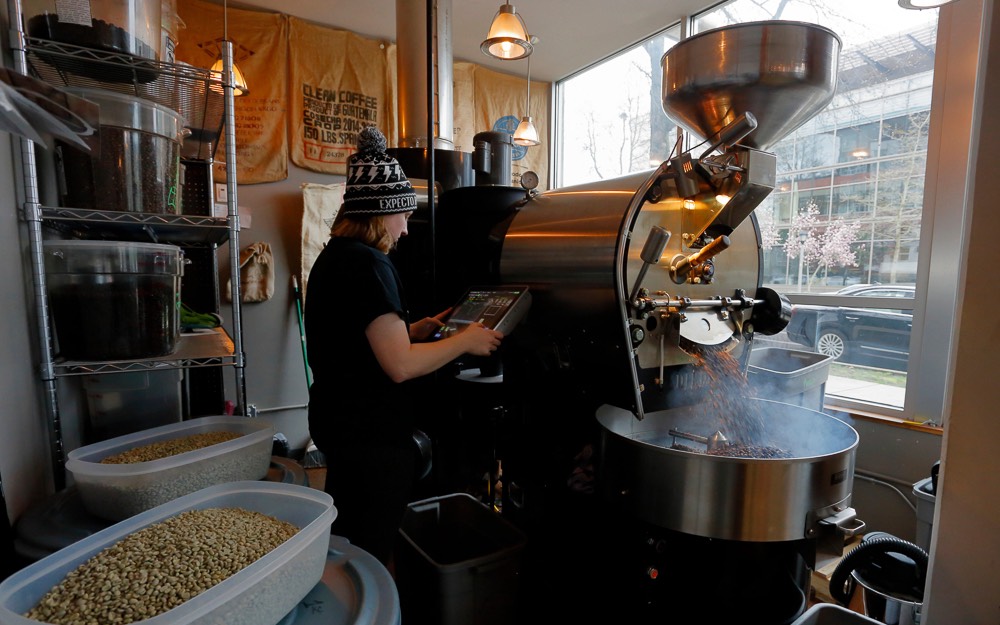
(847, 205)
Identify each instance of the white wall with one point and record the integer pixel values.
(275, 374)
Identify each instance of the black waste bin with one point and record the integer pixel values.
(458, 563)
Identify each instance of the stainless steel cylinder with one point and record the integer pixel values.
(745, 499)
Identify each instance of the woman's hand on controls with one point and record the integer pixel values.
(423, 329)
(479, 340)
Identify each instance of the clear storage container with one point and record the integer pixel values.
(118, 491)
(114, 300)
(134, 162)
(122, 26)
(260, 594)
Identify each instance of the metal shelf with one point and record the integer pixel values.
(205, 100)
(189, 230)
(196, 94)
(201, 349)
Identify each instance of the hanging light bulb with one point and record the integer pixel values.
(239, 82)
(508, 37)
(525, 134)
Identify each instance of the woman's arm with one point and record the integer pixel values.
(402, 360)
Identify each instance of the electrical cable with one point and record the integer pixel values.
(887, 485)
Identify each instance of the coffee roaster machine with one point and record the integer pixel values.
(601, 406)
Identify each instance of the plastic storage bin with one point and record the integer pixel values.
(260, 594)
(137, 165)
(114, 300)
(831, 614)
(790, 376)
(118, 491)
(459, 563)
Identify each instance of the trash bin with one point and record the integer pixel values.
(926, 493)
(789, 375)
(458, 563)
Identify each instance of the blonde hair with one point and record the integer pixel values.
(369, 229)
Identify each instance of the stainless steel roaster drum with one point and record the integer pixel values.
(745, 499)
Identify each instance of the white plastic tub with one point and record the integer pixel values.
(260, 594)
(118, 491)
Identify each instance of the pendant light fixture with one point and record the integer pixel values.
(239, 82)
(526, 135)
(920, 5)
(508, 37)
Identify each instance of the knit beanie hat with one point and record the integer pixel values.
(376, 185)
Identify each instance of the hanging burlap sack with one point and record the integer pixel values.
(256, 274)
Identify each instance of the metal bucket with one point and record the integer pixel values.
(886, 608)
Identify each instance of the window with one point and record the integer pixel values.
(847, 205)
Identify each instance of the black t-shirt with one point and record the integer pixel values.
(350, 285)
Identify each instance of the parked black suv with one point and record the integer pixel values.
(862, 336)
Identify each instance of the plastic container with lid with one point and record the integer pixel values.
(260, 594)
(134, 162)
(118, 491)
(114, 300)
(122, 26)
(171, 23)
(356, 589)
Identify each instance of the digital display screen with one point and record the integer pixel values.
(488, 306)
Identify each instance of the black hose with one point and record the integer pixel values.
(842, 583)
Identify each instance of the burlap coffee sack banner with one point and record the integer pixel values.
(320, 205)
(499, 105)
(260, 50)
(337, 82)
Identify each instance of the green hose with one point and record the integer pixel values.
(302, 328)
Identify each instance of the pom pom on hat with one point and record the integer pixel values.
(371, 141)
(376, 184)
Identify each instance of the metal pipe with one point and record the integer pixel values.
(431, 202)
(234, 224)
(32, 215)
(415, 86)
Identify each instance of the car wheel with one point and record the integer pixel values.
(831, 343)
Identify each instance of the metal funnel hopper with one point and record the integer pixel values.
(783, 73)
